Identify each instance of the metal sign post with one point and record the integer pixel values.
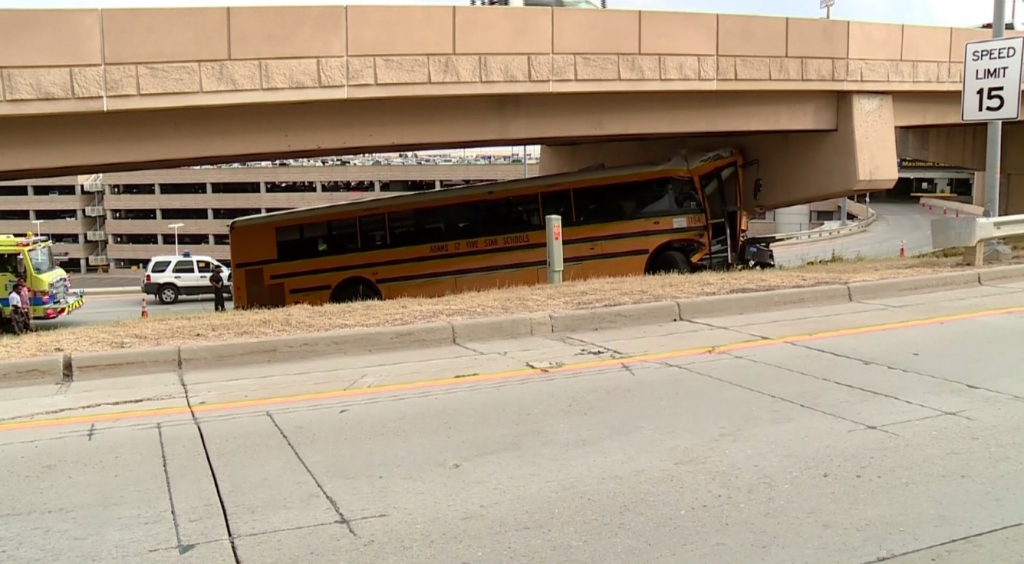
(553, 224)
(991, 93)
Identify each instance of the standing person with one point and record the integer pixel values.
(217, 281)
(14, 301)
(26, 305)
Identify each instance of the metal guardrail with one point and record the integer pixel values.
(967, 232)
(820, 233)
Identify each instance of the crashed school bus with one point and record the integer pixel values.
(679, 216)
(49, 289)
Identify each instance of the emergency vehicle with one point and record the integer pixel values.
(31, 258)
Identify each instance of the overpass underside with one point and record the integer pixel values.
(964, 146)
(808, 145)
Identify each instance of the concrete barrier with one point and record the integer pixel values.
(282, 349)
(1001, 273)
(32, 371)
(133, 362)
(540, 324)
(879, 289)
(757, 302)
(492, 329)
(614, 317)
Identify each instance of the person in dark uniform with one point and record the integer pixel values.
(217, 281)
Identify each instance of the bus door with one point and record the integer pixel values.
(722, 191)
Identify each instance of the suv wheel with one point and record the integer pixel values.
(168, 294)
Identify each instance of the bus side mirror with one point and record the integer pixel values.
(758, 186)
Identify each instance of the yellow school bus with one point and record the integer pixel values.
(679, 216)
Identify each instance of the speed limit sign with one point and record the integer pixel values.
(992, 79)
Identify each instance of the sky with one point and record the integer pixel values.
(956, 13)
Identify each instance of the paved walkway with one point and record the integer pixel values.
(899, 443)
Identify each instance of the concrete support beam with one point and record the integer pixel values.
(48, 145)
(797, 168)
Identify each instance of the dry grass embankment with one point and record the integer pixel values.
(296, 320)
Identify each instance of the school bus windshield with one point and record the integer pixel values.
(630, 220)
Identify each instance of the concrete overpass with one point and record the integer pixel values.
(815, 101)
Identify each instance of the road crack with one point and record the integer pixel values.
(342, 520)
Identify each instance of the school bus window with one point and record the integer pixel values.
(402, 228)
(461, 221)
(508, 215)
(558, 203)
(373, 232)
(686, 196)
(289, 240)
(431, 224)
(650, 198)
(342, 237)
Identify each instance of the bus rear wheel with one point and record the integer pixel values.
(354, 291)
(670, 262)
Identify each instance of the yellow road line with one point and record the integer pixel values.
(496, 376)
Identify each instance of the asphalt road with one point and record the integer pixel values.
(899, 442)
(896, 223)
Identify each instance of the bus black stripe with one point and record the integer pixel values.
(508, 266)
(310, 289)
(466, 254)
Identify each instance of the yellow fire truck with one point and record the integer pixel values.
(49, 289)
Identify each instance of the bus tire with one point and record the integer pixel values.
(670, 261)
(354, 290)
(167, 294)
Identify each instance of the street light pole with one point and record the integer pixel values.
(175, 226)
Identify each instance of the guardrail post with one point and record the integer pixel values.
(553, 224)
(974, 256)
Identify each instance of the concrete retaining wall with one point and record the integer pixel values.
(89, 366)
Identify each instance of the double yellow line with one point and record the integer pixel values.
(492, 377)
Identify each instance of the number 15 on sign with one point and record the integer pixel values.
(992, 79)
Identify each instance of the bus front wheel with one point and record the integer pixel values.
(670, 262)
(355, 291)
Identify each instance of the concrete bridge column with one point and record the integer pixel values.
(796, 168)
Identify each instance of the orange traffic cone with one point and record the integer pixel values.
(929, 207)
(903, 249)
(145, 312)
(945, 211)
(958, 213)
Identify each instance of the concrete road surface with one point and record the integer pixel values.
(104, 309)
(896, 222)
(888, 431)
(93, 280)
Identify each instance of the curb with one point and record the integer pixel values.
(188, 358)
